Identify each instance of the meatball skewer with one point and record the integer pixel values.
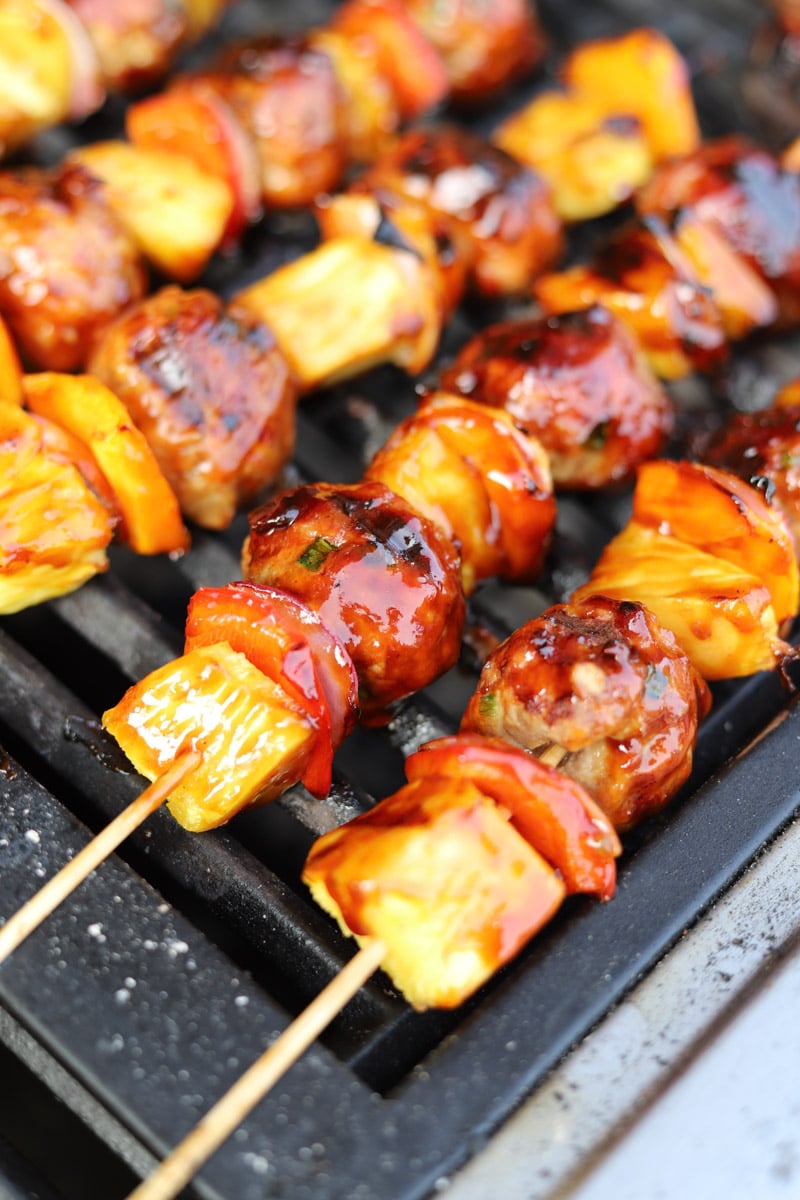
(366, 875)
(365, 576)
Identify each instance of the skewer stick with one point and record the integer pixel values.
(177, 1169)
(553, 756)
(31, 915)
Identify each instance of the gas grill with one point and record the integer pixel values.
(142, 999)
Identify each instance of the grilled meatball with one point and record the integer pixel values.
(484, 47)
(744, 193)
(605, 682)
(383, 579)
(286, 95)
(504, 206)
(211, 392)
(579, 383)
(67, 267)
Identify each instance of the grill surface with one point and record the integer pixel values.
(141, 1000)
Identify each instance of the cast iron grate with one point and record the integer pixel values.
(145, 996)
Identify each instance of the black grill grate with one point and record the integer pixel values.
(145, 996)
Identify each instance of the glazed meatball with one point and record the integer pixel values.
(67, 267)
(504, 207)
(382, 578)
(605, 682)
(579, 383)
(210, 391)
(285, 93)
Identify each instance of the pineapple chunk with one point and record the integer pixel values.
(347, 306)
(53, 529)
(592, 160)
(446, 488)
(640, 73)
(744, 299)
(406, 58)
(723, 515)
(437, 874)
(254, 742)
(721, 615)
(371, 113)
(175, 212)
(470, 470)
(152, 521)
(36, 71)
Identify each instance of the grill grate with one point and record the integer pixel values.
(144, 996)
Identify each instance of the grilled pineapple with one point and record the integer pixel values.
(176, 213)
(721, 615)
(715, 563)
(437, 874)
(592, 160)
(349, 305)
(254, 742)
(54, 530)
(484, 482)
(640, 73)
(724, 516)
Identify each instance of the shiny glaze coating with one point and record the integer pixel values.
(603, 680)
(210, 391)
(722, 515)
(504, 206)
(712, 559)
(394, 217)
(577, 381)
(764, 449)
(553, 813)
(484, 482)
(742, 191)
(439, 875)
(645, 279)
(67, 267)
(485, 47)
(286, 95)
(383, 579)
(44, 472)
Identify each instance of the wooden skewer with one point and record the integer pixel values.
(31, 915)
(553, 756)
(177, 1169)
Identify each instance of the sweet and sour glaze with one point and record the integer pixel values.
(579, 383)
(603, 680)
(383, 578)
(209, 388)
